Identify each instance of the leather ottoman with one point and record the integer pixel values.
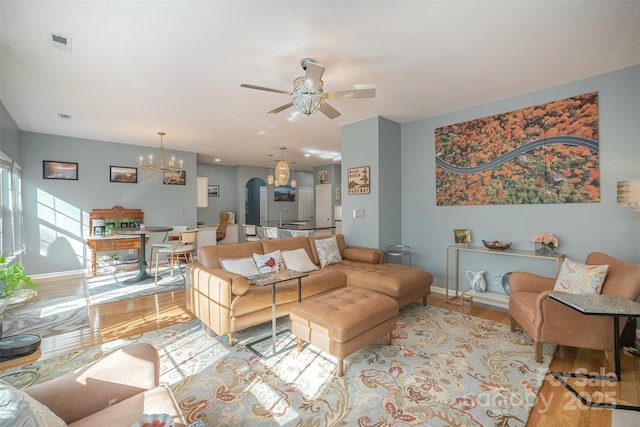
(344, 321)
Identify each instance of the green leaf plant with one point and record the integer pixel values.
(12, 278)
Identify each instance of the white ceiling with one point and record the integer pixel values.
(140, 67)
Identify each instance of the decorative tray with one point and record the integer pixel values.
(496, 244)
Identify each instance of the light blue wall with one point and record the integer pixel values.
(222, 176)
(581, 228)
(9, 134)
(56, 212)
(374, 142)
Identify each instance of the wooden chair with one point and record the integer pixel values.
(549, 321)
(170, 236)
(180, 250)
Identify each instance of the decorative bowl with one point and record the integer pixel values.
(496, 244)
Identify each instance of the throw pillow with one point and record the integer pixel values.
(18, 409)
(243, 266)
(298, 260)
(576, 278)
(269, 263)
(328, 251)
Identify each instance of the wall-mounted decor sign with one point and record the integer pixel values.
(123, 174)
(358, 180)
(59, 170)
(323, 177)
(175, 178)
(213, 190)
(547, 153)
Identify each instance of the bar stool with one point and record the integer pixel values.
(398, 251)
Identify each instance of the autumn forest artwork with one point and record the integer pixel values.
(547, 153)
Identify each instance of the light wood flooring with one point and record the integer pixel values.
(555, 405)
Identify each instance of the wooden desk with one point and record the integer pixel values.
(116, 217)
(111, 243)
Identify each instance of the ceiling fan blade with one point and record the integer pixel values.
(354, 93)
(314, 72)
(328, 110)
(268, 89)
(281, 108)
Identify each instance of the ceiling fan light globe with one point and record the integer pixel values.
(306, 97)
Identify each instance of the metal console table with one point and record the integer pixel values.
(489, 296)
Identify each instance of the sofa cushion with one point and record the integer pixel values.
(18, 409)
(269, 263)
(328, 251)
(576, 278)
(298, 260)
(209, 256)
(244, 266)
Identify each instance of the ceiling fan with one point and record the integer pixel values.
(308, 94)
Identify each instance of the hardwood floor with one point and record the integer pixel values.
(555, 406)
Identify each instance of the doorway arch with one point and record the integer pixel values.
(252, 200)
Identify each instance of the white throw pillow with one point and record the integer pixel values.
(298, 260)
(18, 409)
(269, 263)
(243, 266)
(328, 251)
(576, 278)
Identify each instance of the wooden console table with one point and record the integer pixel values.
(116, 217)
(489, 296)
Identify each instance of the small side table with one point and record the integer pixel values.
(398, 251)
(599, 305)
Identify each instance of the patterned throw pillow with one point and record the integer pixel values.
(328, 251)
(298, 260)
(576, 278)
(18, 409)
(244, 266)
(269, 263)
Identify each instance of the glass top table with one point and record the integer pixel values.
(272, 279)
(599, 305)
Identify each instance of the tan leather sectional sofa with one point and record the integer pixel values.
(225, 302)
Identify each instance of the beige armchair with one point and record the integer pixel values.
(117, 390)
(549, 321)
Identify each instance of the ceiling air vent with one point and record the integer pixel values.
(63, 116)
(59, 41)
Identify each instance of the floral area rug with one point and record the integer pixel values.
(443, 369)
(112, 287)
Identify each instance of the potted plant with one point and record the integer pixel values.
(13, 279)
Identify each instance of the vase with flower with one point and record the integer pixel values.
(545, 243)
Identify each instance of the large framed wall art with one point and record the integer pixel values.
(547, 153)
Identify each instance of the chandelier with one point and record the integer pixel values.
(270, 178)
(307, 96)
(163, 165)
(294, 183)
(281, 171)
(629, 194)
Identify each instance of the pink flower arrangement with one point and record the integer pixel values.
(546, 239)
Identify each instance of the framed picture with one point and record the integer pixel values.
(175, 178)
(462, 235)
(123, 174)
(323, 177)
(213, 191)
(284, 193)
(359, 180)
(59, 170)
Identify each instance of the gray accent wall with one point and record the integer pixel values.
(9, 134)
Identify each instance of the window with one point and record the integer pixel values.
(11, 223)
